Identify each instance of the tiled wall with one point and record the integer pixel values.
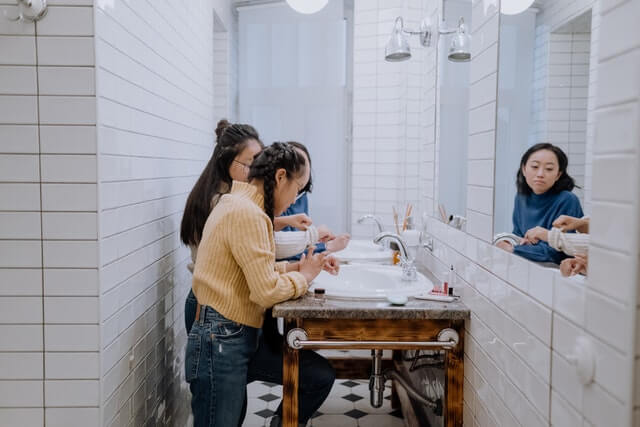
(393, 116)
(568, 94)
(525, 318)
(155, 133)
(48, 225)
(485, 27)
(551, 76)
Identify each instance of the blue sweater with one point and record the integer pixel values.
(301, 206)
(541, 210)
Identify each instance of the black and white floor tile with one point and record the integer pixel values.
(347, 406)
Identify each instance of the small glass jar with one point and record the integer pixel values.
(318, 293)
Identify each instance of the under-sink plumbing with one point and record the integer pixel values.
(376, 381)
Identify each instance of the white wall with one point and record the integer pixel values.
(155, 133)
(49, 364)
(393, 117)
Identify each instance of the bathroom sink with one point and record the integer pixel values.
(364, 251)
(369, 281)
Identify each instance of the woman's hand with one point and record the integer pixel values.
(331, 265)
(573, 266)
(311, 264)
(569, 223)
(299, 221)
(339, 243)
(324, 234)
(503, 244)
(534, 235)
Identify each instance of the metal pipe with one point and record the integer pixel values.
(386, 345)
(376, 381)
(297, 338)
(435, 405)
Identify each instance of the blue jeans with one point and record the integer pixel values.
(222, 356)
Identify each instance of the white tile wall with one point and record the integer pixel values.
(485, 27)
(516, 304)
(566, 68)
(21, 303)
(393, 123)
(156, 64)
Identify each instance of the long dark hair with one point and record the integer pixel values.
(300, 146)
(215, 178)
(276, 156)
(565, 182)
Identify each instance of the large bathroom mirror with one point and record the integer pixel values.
(543, 96)
(452, 120)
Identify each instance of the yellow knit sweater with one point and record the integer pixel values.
(236, 272)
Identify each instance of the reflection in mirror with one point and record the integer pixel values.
(452, 118)
(543, 88)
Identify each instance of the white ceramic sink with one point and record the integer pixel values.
(364, 251)
(369, 281)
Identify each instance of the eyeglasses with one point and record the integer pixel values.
(243, 164)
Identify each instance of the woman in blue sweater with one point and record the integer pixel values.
(544, 193)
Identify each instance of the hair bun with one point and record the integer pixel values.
(222, 126)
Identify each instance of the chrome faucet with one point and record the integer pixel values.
(507, 237)
(406, 261)
(374, 218)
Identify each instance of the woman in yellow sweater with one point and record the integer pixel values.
(235, 280)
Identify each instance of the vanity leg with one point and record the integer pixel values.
(396, 355)
(290, 380)
(454, 371)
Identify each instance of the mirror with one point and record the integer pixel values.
(543, 91)
(452, 121)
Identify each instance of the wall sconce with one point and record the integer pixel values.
(398, 49)
(29, 10)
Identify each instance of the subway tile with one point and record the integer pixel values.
(569, 298)
(19, 139)
(71, 393)
(69, 168)
(72, 365)
(623, 68)
(608, 320)
(21, 394)
(69, 310)
(71, 282)
(19, 197)
(610, 224)
(480, 173)
(21, 366)
(71, 338)
(64, 417)
(70, 254)
(20, 281)
(17, 50)
(565, 381)
(67, 21)
(482, 119)
(65, 110)
(66, 81)
(19, 225)
(562, 413)
(23, 417)
(601, 408)
(20, 337)
(77, 51)
(20, 254)
(18, 110)
(541, 283)
(18, 80)
(68, 197)
(69, 225)
(21, 310)
(19, 168)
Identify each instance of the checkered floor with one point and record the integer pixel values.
(347, 406)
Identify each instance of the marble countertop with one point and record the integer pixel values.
(308, 306)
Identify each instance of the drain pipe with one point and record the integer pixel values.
(376, 381)
(378, 378)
